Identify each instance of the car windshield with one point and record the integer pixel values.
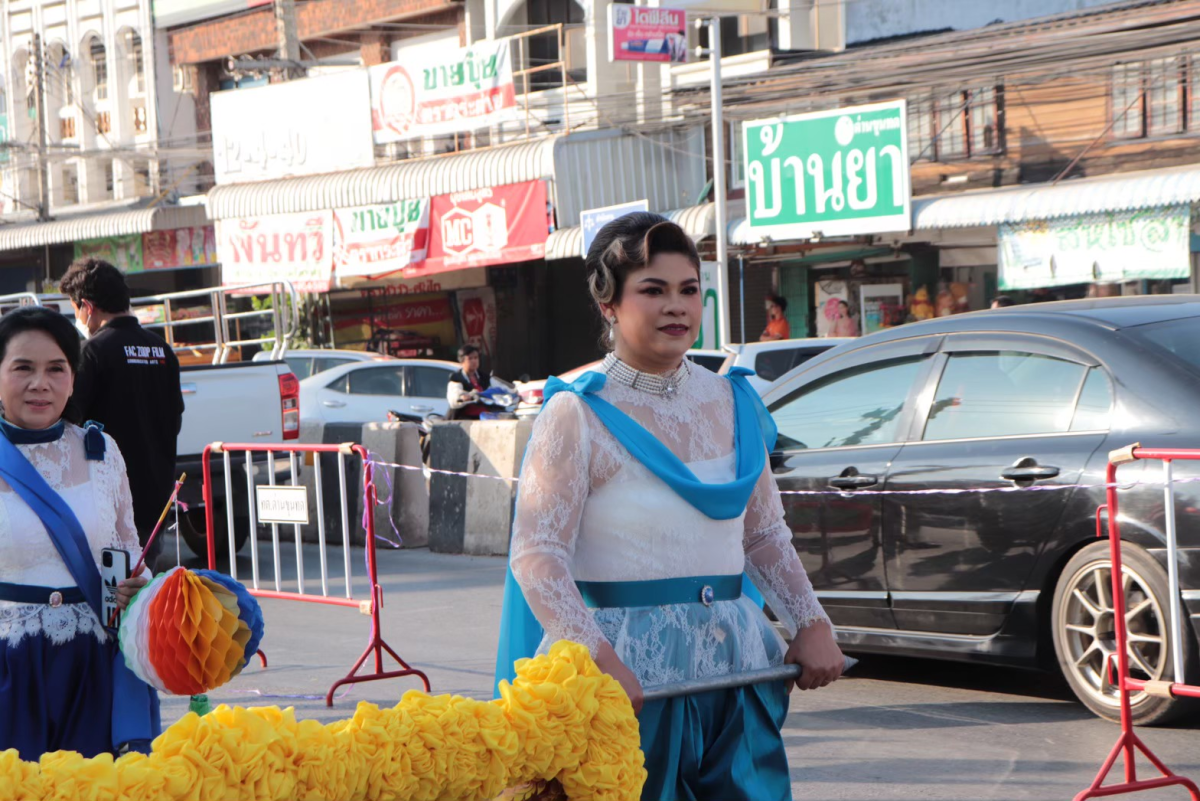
(1179, 337)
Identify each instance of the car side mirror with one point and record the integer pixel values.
(524, 379)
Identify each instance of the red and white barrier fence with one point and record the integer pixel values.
(1129, 743)
(274, 504)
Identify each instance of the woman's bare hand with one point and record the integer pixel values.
(815, 650)
(608, 661)
(127, 589)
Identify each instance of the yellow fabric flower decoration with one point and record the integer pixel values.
(560, 719)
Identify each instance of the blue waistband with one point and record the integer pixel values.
(661, 592)
(27, 594)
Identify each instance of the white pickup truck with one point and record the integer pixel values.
(227, 396)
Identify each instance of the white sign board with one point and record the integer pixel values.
(304, 127)
(465, 89)
(710, 314)
(284, 505)
(592, 220)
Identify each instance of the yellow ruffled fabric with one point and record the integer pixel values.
(560, 719)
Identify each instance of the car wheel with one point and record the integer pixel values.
(196, 536)
(1084, 634)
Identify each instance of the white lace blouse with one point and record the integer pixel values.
(588, 510)
(98, 493)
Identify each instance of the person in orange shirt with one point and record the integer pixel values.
(777, 325)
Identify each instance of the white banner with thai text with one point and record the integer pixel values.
(280, 247)
(303, 127)
(1108, 247)
(466, 89)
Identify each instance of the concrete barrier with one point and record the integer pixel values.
(469, 515)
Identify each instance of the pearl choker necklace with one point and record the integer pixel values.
(665, 385)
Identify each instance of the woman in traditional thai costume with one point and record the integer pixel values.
(64, 497)
(645, 494)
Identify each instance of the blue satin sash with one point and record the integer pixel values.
(520, 632)
(135, 703)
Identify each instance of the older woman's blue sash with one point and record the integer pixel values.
(135, 704)
(520, 632)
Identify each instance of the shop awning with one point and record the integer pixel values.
(98, 225)
(698, 221)
(418, 178)
(1122, 192)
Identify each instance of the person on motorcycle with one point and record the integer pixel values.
(465, 386)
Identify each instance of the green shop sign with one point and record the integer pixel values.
(830, 173)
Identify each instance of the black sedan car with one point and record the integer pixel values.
(874, 434)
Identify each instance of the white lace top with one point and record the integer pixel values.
(589, 511)
(98, 493)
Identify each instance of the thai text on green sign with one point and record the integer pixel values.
(829, 173)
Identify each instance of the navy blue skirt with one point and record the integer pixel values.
(56, 697)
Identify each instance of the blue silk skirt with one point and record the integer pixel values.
(724, 745)
(56, 697)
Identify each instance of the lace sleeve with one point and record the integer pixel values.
(554, 486)
(126, 532)
(772, 561)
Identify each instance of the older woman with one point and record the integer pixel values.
(645, 493)
(64, 498)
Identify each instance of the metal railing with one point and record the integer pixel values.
(282, 312)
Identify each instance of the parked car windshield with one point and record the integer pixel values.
(1179, 337)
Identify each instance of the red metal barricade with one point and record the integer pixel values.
(371, 606)
(1129, 743)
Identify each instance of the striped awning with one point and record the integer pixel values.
(698, 221)
(101, 224)
(1121, 192)
(460, 172)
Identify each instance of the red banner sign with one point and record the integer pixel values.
(501, 225)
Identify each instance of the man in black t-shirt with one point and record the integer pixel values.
(128, 380)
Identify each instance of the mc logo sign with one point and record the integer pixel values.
(483, 230)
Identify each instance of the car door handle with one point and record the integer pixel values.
(333, 404)
(853, 482)
(1030, 473)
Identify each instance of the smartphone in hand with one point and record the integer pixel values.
(114, 568)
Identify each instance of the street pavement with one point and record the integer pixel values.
(894, 729)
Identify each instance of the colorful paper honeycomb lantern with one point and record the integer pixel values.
(188, 632)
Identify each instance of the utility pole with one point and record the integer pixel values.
(43, 162)
(724, 332)
(289, 42)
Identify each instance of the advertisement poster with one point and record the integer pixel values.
(381, 239)
(318, 125)
(179, 247)
(831, 303)
(647, 34)
(280, 247)
(398, 325)
(501, 225)
(840, 172)
(477, 318)
(466, 89)
(123, 252)
(882, 307)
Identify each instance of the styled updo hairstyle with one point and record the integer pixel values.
(626, 245)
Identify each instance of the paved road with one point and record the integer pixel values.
(896, 729)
